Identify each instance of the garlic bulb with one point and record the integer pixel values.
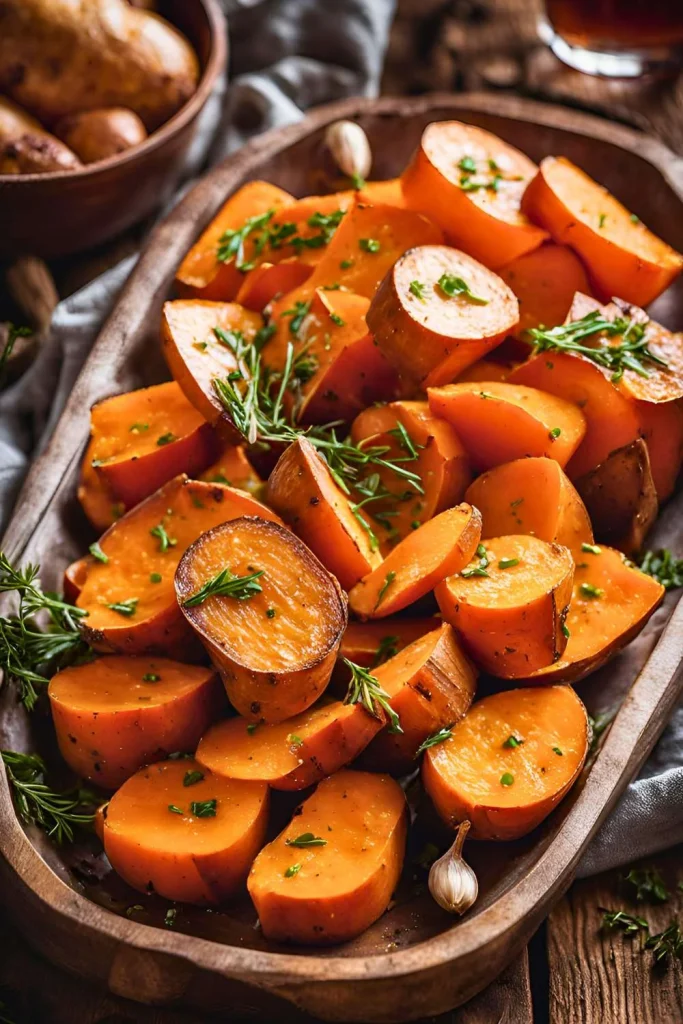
(452, 882)
(349, 145)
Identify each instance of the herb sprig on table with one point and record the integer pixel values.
(57, 814)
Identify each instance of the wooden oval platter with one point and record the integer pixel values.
(416, 960)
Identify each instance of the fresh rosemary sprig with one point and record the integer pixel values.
(628, 354)
(226, 584)
(432, 741)
(25, 649)
(58, 814)
(231, 243)
(663, 567)
(365, 689)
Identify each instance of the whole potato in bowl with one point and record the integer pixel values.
(25, 146)
(61, 57)
(97, 134)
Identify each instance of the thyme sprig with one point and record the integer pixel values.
(365, 689)
(57, 814)
(226, 584)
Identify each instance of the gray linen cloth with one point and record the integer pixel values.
(288, 55)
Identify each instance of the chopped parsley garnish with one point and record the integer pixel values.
(467, 164)
(165, 542)
(507, 779)
(336, 319)
(203, 808)
(558, 751)
(155, 577)
(346, 264)
(298, 314)
(646, 885)
(97, 552)
(369, 244)
(306, 839)
(480, 568)
(417, 289)
(174, 809)
(128, 607)
(452, 286)
(252, 727)
(151, 677)
(138, 428)
(601, 220)
(292, 870)
(591, 549)
(166, 439)
(554, 433)
(619, 919)
(513, 741)
(590, 590)
(193, 777)
(270, 613)
(388, 580)
(508, 563)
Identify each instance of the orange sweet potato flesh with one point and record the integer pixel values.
(338, 889)
(116, 714)
(440, 547)
(661, 425)
(232, 467)
(301, 490)
(428, 335)
(485, 221)
(75, 576)
(144, 438)
(187, 857)
(464, 774)
(441, 463)
(623, 257)
(293, 754)
(269, 281)
(531, 496)
(95, 498)
(196, 357)
(431, 684)
(389, 192)
(369, 643)
(544, 282)
(201, 275)
(276, 649)
(185, 508)
(486, 369)
(600, 626)
(511, 619)
(500, 421)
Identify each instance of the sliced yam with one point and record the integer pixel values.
(432, 450)
(501, 422)
(471, 183)
(302, 491)
(440, 547)
(234, 469)
(116, 714)
(330, 892)
(201, 274)
(431, 684)
(99, 504)
(621, 498)
(269, 281)
(196, 356)
(661, 425)
(75, 576)
(544, 282)
(368, 644)
(611, 602)
(190, 843)
(510, 605)
(275, 648)
(623, 257)
(509, 761)
(129, 592)
(486, 369)
(437, 311)
(388, 192)
(294, 754)
(531, 496)
(144, 438)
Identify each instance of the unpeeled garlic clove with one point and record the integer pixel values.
(350, 148)
(452, 882)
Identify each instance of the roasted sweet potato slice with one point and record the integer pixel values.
(509, 761)
(142, 439)
(544, 282)
(332, 890)
(302, 491)
(501, 422)
(611, 602)
(509, 605)
(269, 281)
(292, 754)
(99, 504)
(471, 184)
(116, 714)
(75, 576)
(388, 192)
(193, 843)
(201, 274)
(531, 496)
(368, 644)
(623, 257)
(437, 311)
(621, 498)
(196, 355)
(661, 425)
(129, 592)
(275, 642)
(486, 369)
(440, 547)
(232, 467)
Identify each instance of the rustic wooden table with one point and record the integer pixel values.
(573, 972)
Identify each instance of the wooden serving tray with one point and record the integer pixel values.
(416, 960)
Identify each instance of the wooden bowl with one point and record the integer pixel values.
(68, 211)
(416, 960)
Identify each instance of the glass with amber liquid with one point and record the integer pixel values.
(616, 38)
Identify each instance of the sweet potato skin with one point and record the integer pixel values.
(95, 498)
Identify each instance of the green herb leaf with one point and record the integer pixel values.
(468, 165)
(668, 943)
(231, 243)
(165, 542)
(203, 808)
(193, 777)
(478, 569)
(174, 809)
(369, 244)
(432, 741)
(554, 433)
(295, 740)
(57, 814)
(97, 552)
(297, 314)
(292, 870)
(646, 885)
(663, 567)
(631, 925)
(170, 917)
(127, 608)
(365, 689)
(270, 613)
(513, 741)
(155, 577)
(346, 264)
(417, 289)
(558, 751)
(591, 549)
(336, 319)
(388, 648)
(166, 439)
(601, 220)
(508, 563)
(226, 584)
(388, 580)
(358, 181)
(306, 839)
(138, 428)
(506, 779)
(452, 286)
(252, 727)
(590, 590)
(151, 677)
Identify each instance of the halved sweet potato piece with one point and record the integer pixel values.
(191, 843)
(201, 274)
(129, 591)
(440, 547)
(531, 496)
(509, 761)
(437, 311)
(621, 498)
(275, 643)
(471, 184)
(293, 754)
(144, 438)
(332, 890)
(368, 644)
(116, 714)
(269, 281)
(611, 602)
(302, 491)
(544, 282)
(623, 257)
(388, 192)
(99, 504)
(75, 576)
(486, 369)
(501, 422)
(196, 355)
(509, 606)
(661, 425)
(233, 468)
